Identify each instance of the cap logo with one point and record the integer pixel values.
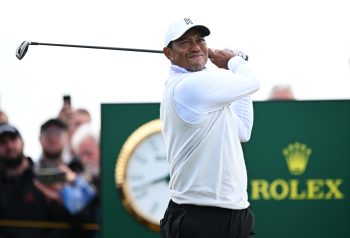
(188, 21)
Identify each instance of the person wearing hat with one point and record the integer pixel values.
(20, 199)
(206, 113)
(70, 194)
(53, 139)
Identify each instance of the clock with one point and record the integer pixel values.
(142, 174)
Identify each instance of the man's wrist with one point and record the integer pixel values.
(234, 62)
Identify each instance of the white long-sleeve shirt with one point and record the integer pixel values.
(205, 116)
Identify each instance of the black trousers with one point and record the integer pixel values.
(191, 221)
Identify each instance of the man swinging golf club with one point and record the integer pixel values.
(206, 114)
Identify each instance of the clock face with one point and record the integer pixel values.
(142, 174)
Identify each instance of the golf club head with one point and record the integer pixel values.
(22, 49)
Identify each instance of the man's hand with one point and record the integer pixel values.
(221, 57)
(51, 192)
(70, 174)
(65, 113)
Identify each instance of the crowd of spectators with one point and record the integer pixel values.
(57, 194)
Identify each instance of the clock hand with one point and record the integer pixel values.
(155, 181)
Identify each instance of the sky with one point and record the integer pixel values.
(303, 43)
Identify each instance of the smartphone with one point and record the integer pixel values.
(50, 175)
(67, 100)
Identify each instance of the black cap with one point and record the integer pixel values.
(8, 129)
(54, 122)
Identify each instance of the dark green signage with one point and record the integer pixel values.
(298, 162)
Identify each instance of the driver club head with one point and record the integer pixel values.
(22, 49)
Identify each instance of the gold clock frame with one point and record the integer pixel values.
(140, 134)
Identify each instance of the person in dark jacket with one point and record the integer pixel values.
(22, 205)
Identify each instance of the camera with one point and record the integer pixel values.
(50, 175)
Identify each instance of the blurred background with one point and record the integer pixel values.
(299, 49)
(301, 44)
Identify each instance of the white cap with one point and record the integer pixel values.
(179, 27)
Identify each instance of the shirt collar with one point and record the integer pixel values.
(175, 69)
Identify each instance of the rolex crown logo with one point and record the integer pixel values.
(297, 156)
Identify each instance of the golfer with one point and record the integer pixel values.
(206, 113)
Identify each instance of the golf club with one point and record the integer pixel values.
(23, 48)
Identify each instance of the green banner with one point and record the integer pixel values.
(118, 122)
(298, 162)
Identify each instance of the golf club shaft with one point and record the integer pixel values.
(98, 47)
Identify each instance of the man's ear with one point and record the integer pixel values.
(167, 52)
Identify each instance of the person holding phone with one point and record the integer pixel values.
(73, 118)
(206, 113)
(70, 190)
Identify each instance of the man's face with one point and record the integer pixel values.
(11, 149)
(53, 141)
(89, 154)
(190, 51)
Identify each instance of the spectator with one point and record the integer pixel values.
(79, 117)
(75, 193)
(20, 199)
(281, 92)
(53, 139)
(85, 144)
(73, 119)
